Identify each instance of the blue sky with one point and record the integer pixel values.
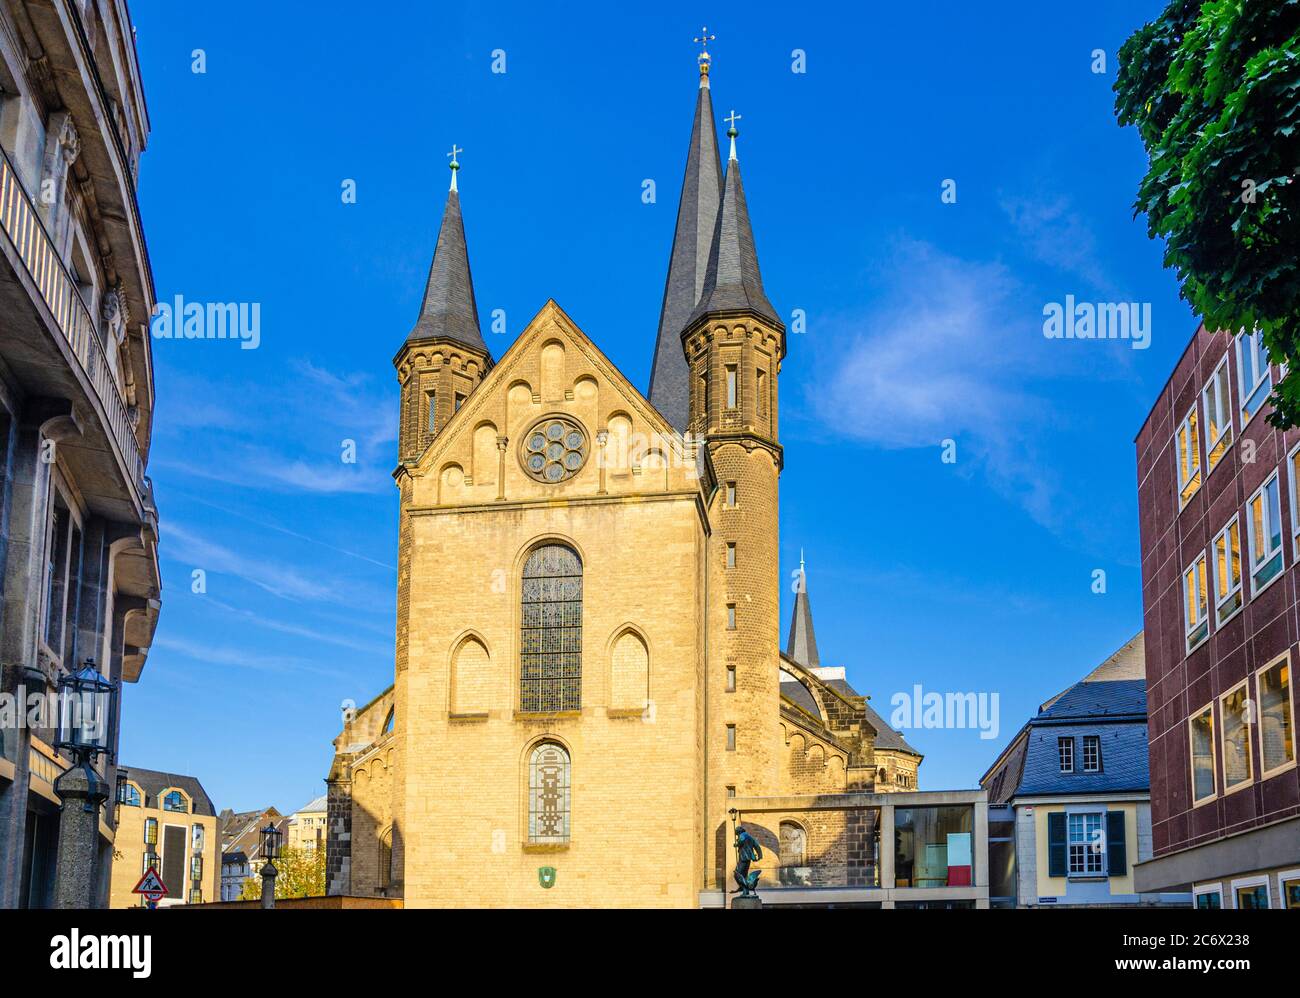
(924, 323)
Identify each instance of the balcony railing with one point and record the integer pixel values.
(26, 233)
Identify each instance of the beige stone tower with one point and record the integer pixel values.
(733, 344)
(442, 361)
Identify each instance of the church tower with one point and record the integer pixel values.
(444, 357)
(733, 344)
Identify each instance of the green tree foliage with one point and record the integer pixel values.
(301, 875)
(1213, 89)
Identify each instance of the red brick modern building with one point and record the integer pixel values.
(1220, 535)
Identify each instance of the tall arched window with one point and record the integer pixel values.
(174, 801)
(550, 659)
(548, 795)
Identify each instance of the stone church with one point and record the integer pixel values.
(588, 657)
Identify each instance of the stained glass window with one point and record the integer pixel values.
(548, 795)
(554, 450)
(550, 661)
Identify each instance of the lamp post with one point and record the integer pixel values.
(271, 839)
(85, 707)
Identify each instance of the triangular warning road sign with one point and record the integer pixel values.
(151, 885)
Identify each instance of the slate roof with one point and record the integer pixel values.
(153, 783)
(732, 282)
(802, 643)
(1113, 710)
(1123, 760)
(697, 214)
(1122, 697)
(449, 309)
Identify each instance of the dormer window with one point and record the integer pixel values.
(1065, 754)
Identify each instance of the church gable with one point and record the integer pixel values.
(553, 420)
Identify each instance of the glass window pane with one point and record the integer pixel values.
(1202, 737)
(933, 846)
(1276, 726)
(1236, 739)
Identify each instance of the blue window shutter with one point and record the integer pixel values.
(1116, 844)
(1057, 865)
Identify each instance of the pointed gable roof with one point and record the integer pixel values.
(732, 282)
(697, 213)
(802, 644)
(448, 309)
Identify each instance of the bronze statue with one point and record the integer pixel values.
(747, 851)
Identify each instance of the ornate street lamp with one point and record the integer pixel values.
(272, 838)
(85, 711)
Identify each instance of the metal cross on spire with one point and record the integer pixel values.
(703, 43)
(455, 165)
(732, 131)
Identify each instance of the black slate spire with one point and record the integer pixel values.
(732, 282)
(802, 645)
(697, 214)
(449, 309)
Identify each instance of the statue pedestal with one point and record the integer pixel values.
(754, 903)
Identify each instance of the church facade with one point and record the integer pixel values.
(588, 655)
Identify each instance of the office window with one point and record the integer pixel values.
(1201, 733)
(1216, 399)
(1276, 722)
(1195, 603)
(1065, 754)
(933, 846)
(1265, 536)
(1092, 753)
(1236, 738)
(196, 867)
(731, 616)
(731, 554)
(733, 387)
(131, 795)
(1289, 882)
(1293, 478)
(1209, 898)
(731, 738)
(1227, 570)
(1251, 894)
(196, 896)
(1254, 380)
(196, 838)
(151, 831)
(1087, 858)
(1187, 447)
(731, 679)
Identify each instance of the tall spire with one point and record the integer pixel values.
(449, 309)
(802, 645)
(697, 214)
(732, 282)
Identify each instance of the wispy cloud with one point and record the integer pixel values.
(242, 658)
(276, 579)
(1051, 231)
(949, 352)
